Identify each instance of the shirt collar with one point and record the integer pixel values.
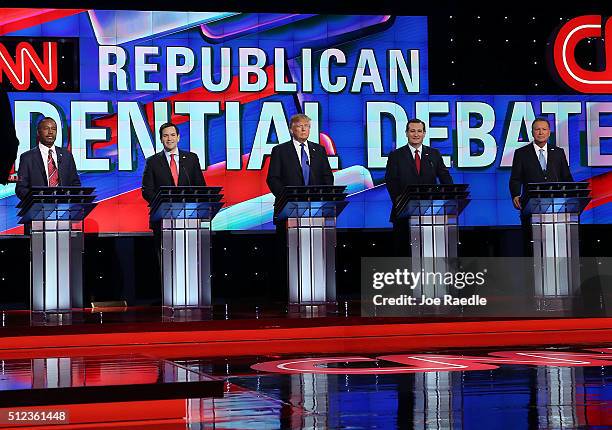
(168, 153)
(45, 150)
(418, 148)
(537, 148)
(298, 144)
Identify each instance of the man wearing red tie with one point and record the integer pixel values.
(170, 166)
(46, 165)
(412, 164)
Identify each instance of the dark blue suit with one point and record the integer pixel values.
(526, 168)
(401, 171)
(285, 168)
(32, 171)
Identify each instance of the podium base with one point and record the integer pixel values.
(52, 318)
(559, 304)
(177, 314)
(312, 309)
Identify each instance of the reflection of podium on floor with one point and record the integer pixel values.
(554, 210)
(185, 214)
(432, 212)
(54, 216)
(309, 213)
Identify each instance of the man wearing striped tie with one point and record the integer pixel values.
(46, 165)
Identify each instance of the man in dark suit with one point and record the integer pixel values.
(537, 162)
(46, 165)
(411, 164)
(8, 138)
(298, 162)
(170, 166)
(414, 164)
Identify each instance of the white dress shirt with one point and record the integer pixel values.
(537, 150)
(298, 150)
(44, 152)
(175, 151)
(413, 149)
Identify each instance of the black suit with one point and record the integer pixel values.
(285, 167)
(526, 168)
(285, 170)
(401, 171)
(32, 171)
(8, 138)
(157, 173)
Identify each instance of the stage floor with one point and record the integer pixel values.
(323, 368)
(568, 386)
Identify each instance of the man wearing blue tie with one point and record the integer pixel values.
(537, 162)
(298, 162)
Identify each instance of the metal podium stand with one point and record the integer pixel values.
(185, 214)
(309, 213)
(432, 212)
(54, 216)
(554, 210)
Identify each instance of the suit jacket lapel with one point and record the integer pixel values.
(550, 154)
(425, 165)
(296, 161)
(40, 166)
(410, 159)
(534, 158)
(163, 161)
(60, 163)
(182, 168)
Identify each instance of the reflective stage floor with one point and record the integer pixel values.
(548, 388)
(132, 370)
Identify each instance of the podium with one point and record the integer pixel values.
(432, 212)
(185, 214)
(554, 209)
(54, 216)
(309, 214)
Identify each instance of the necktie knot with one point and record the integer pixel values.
(304, 164)
(542, 159)
(52, 173)
(174, 169)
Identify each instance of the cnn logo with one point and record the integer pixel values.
(26, 63)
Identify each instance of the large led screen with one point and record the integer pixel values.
(232, 80)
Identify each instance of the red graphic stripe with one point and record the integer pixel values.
(601, 190)
(15, 19)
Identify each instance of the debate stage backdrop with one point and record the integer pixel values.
(232, 80)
